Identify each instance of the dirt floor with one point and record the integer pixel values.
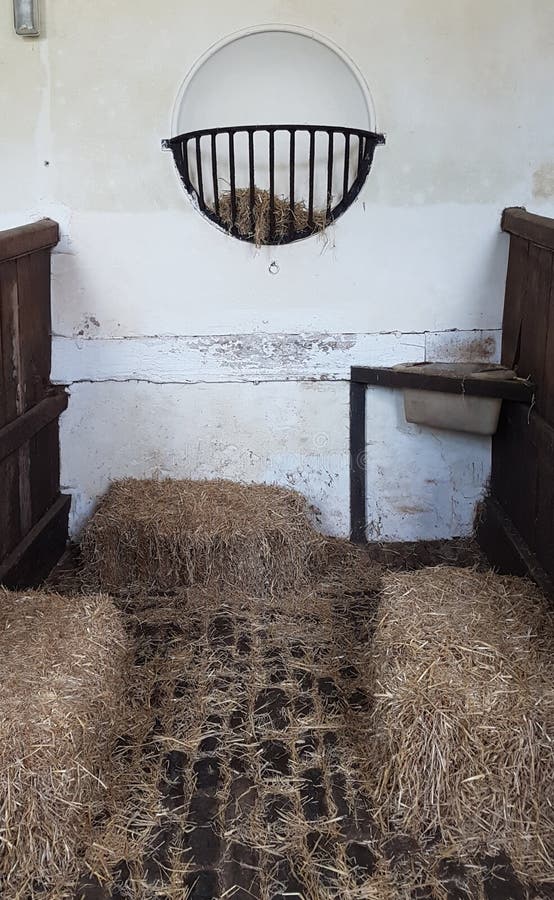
(241, 765)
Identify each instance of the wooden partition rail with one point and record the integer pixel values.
(516, 527)
(33, 514)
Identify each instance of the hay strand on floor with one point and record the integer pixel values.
(167, 534)
(463, 721)
(348, 571)
(256, 223)
(63, 663)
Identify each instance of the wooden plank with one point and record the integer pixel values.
(23, 468)
(33, 274)
(515, 389)
(36, 555)
(516, 284)
(547, 389)
(542, 435)
(544, 530)
(522, 480)
(25, 506)
(505, 548)
(25, 239)
(10, 523)
(357, 462)
(9, 323)
(535, 316)
(44, 454)
(22, 429)
(4, 357)
(537, 229)
(29, 463)
(514, 469)
(492, 535)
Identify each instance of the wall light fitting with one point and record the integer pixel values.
(26, 17)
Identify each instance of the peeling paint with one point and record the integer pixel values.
(249, 357)
(284, 349)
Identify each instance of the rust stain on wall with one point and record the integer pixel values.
(471, 349)
(406, 510)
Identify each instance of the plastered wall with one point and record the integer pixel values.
(184, 354)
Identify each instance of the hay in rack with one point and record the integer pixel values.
(168, 534)
(256, 223)
(62, 677)
(462, 749)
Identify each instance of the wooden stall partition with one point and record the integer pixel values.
(516, 527)
(33, 514)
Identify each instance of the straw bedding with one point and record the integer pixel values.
(257, 226)
(244, 775)
(241, 706)
(165, 534)
(62, 671)
(461, 737)
(291, 732)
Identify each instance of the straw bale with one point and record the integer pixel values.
(167, 534)
(461, 747)
(62, 676)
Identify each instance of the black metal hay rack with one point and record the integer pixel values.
(344, 154)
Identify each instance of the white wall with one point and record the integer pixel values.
(183, 352)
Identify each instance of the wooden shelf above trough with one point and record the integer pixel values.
(449, 378)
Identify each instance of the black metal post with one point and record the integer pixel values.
(358, 462)
(214, 173)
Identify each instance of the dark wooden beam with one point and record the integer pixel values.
(542, 434)
(537, 229)
(508, 389)
(39, 551)
(22, 429)
(26, 239)
(505, 548)
(516, 287)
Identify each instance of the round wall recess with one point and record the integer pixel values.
(273, 134)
